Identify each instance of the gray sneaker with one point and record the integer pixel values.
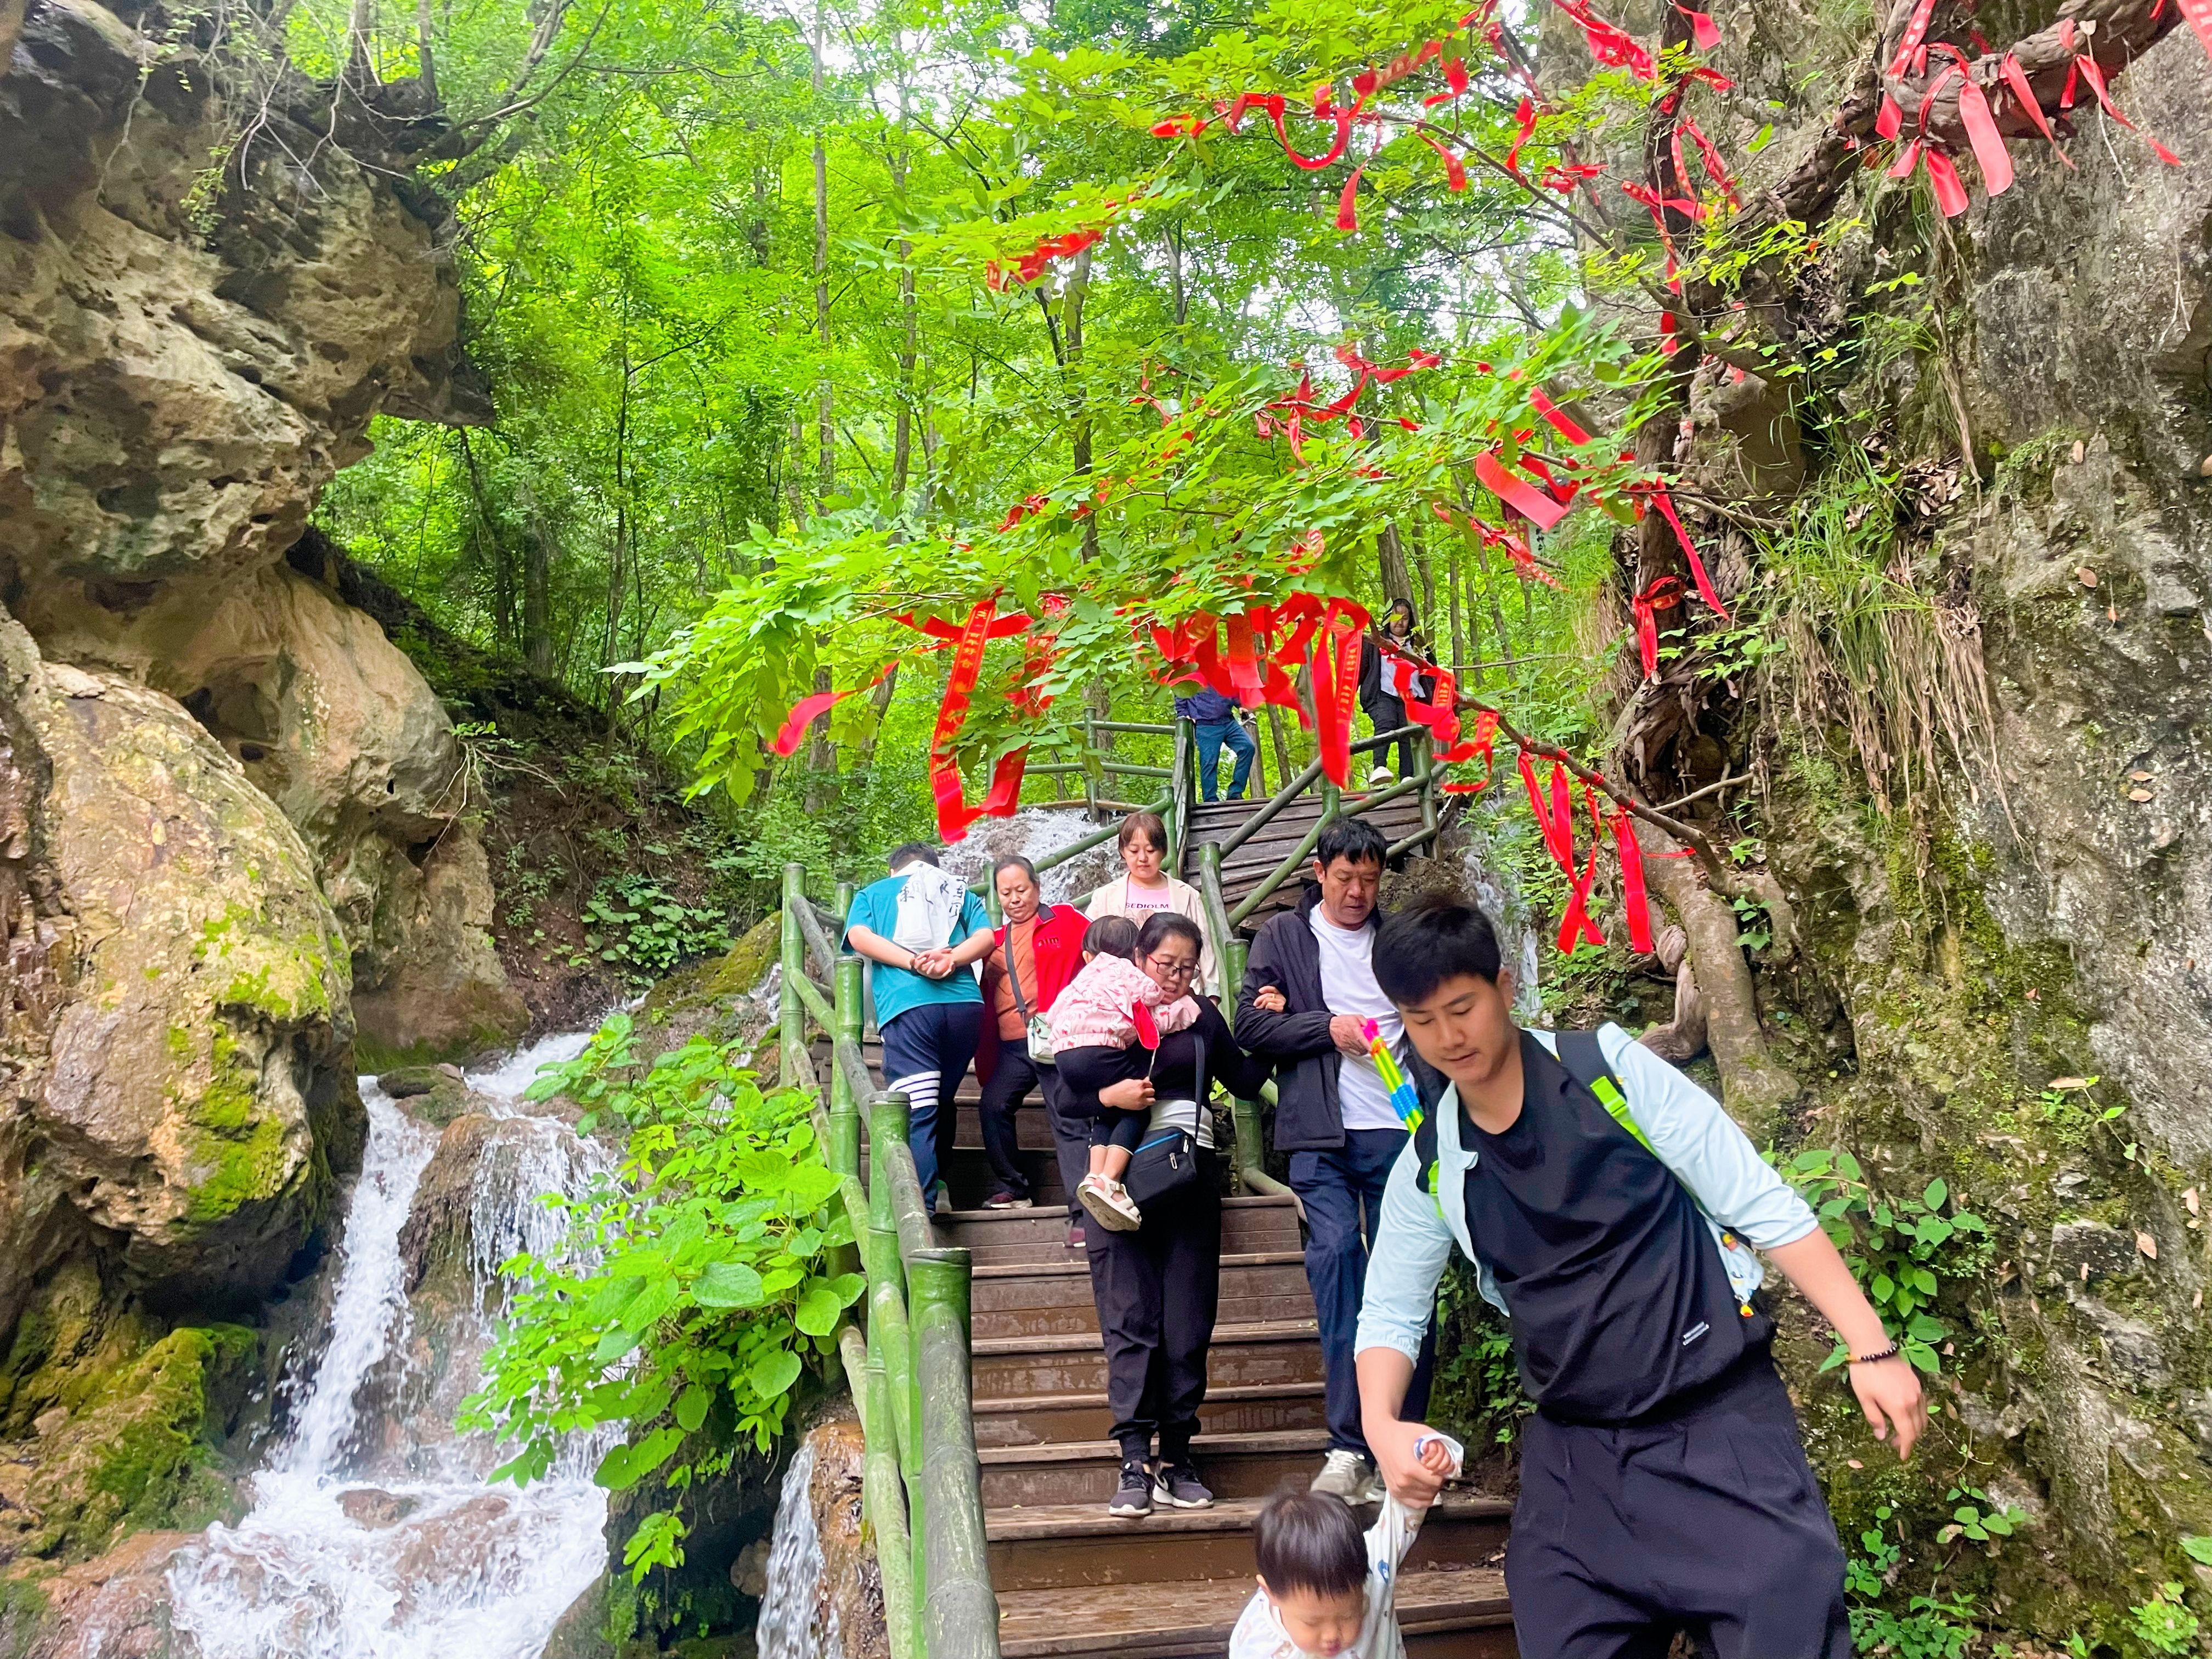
(1177, 1485)
(1348, 1475)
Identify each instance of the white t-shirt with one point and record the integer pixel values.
(1142, 902)
(1348, 987)
(1259, 1634)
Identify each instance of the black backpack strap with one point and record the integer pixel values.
(1425, 1148)
(1583, 1057)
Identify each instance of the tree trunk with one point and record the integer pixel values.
(1079, 421)
(825, 479)
(1458, 627)
(1390, 553)
(536, 594)
(821, 755)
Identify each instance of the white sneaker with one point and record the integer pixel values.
(1109, 1203)
(1380, 778)
(1348, 1475)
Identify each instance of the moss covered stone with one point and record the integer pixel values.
(141, 1452)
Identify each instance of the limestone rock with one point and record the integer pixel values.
(332, 722)
(196, 1096)
(179, 376)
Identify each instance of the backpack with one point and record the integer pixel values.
(1583, 1057)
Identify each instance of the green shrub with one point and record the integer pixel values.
(696, 1290)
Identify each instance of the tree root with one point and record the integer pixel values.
(1682, 1037)
(1755, 1087)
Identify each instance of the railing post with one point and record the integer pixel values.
(1090, 765)
(1425, 768)
(888, 1322)
(884, 1495)
(845, 891)
(1185, 768)
(844, 1148)
(794, 1061)
(960, 1615)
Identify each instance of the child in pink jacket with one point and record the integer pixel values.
(1098, 1010)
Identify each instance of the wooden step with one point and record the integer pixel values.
(1023, 1298)
(1054, 1418)
(1460, 1613)
(1039, 1233)
(1279, 1351)
(1068, 1544)
(1088, 1471)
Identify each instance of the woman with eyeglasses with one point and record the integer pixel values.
(1158, 1288)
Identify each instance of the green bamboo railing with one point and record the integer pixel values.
(907, 1360)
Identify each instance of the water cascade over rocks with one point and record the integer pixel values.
(381, 1540)
(797, 1619)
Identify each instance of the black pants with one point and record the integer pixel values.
(1388, 714)
(926, 1050)
(1158, 1291)
(1004, 1092)
(1710, 1521)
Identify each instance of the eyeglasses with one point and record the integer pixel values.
(1173, 970)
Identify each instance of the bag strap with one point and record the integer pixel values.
(1583, 1057)
(1021, 1002)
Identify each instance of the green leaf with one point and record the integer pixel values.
(1936, 1192)
(2198, 1548)
(729, 1285)
(691, 1408)
(773, 1375)
(817, 1310)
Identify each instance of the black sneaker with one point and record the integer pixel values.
(1135, 1496)
(1178, 1487)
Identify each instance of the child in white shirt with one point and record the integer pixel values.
(1324, 1589)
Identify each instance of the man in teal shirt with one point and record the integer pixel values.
(924, 931)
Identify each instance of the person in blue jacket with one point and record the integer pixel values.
(1612, 1209)
(1214, 718)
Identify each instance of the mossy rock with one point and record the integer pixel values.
(142, 1453)
(718, 980)
(408, 1081)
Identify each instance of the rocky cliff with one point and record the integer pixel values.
(237, 847)
(1992, 963)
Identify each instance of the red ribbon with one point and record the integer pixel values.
(1633, 898)
(1664, 593)
(1576, 926)
(1915, 31)
(2199, 14)
(1609, 45)
(1336, 687)
(1524, 498)
(2016, 82)
(1665, 503)
(1706, 32)
(2095, 77)
(1485, 733)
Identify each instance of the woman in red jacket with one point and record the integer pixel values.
(1033, 955)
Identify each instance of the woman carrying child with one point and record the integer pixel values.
(1158, 1288)
(1106, 1007)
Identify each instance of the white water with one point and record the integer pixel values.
(797, 1621)
(331, 1565)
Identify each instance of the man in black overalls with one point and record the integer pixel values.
(1610, 1207)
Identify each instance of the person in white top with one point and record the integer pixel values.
(1325, 1591)
(1147, 889)
(1308, 995)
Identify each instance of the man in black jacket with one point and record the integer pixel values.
(1309, 989)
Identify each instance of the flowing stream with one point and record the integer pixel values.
(336, 1560)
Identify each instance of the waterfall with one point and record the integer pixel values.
(328, 1565)
(797, 1621)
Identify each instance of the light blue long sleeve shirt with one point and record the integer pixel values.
(1745, 1204)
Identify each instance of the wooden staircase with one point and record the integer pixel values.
(1256, 860)
(1075, 1582)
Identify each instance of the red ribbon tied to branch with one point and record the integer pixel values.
(1634, 899)
(808, 709)
(1485, 733)
(1662, 594)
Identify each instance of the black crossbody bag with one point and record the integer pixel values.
(1166, 1162)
